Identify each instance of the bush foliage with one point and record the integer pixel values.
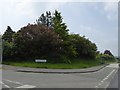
(47, 39)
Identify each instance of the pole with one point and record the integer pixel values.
(1, 50)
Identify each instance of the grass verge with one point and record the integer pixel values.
(77, 64)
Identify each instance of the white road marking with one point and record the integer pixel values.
(107, 85)
(9, 80)
(109, 74)
(113, 65)
(4, 84)
(22, 85)
(105, 79)
(14, 82)
(102, 81)
(26, 86)
(111, 78)
(18, 83)
(96, 86)
(1, 82)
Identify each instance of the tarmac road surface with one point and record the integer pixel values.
(103, 78)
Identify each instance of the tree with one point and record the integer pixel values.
(48, 39)
(45, 19)
(61, 29)
(84, 47)
(8, 50)
(54, 21)
(8, 43)
(73, 45)
(7, 36)
(108, 52)
(37, 41)
(58, 25)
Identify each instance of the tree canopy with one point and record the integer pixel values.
(108, 52)
(7, 36)
(47, 39)
(37, 41)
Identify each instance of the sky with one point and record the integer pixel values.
(97, 20)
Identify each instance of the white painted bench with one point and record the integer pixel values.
(40, 60)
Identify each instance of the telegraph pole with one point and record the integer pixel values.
(1, 50)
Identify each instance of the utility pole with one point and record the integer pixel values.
(1, 50)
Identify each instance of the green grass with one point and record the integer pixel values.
(74, 65)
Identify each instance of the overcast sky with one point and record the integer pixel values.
(98, 21)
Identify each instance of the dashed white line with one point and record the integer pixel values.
(112, 78)
(102, 81)
(109, 75)
(105, 78)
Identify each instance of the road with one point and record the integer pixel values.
(105, 78)
(115, 81)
